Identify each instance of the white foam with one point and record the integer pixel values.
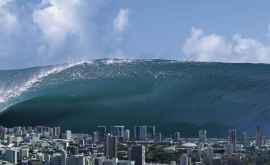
(2, 99)
(116, 61)
(8, 93)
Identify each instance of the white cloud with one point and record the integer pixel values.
(121, 20)
(49, 31)
(216, 48)
(8, 20)
(58, 19)
(4, 2)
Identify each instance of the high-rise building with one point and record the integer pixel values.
(68, 134)
(151, 132)
(76, 160)
(118, 130)
(95, 137)
(259, 137)
(56, 132)
(127, 134)
(111, 145)
(177, 136)
(184, 160)
(51, 132)
(137, 153)
(158, 137)
(140, 132)
(203, 136)
(3, 132)
(232, 138)
(24, 153)
(12, 155)
(244, 138)
(101, 133)
(59, 158)
(34, 138)
(18, 131)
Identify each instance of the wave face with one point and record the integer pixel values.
(133, 91)
(15, 83)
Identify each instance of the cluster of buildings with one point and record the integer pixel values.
(117, 145)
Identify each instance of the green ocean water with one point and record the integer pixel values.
(172, 95)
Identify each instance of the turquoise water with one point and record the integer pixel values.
(184, 95)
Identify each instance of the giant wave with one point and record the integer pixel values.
(114, 91)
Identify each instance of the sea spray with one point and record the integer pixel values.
(7, 94)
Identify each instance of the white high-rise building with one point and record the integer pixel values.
(68, 134)
(203, 136)
(127, 134)
(34, 138)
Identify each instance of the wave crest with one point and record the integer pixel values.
(7, 94)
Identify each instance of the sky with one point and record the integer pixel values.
(43, 32)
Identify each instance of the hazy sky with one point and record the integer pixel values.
(41, 32)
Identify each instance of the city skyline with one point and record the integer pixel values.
(44, 145)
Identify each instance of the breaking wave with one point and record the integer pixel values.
(16, 85)
(7, 94)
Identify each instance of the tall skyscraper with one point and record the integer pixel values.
(95, 137)
(159, 137)
(68, 134)
(3, 132)
(12, 155)
(244, 138)
(137, 153)
(101, 133)
(118, 130)
(232, 138)
(56, 132)
(177, 136)
(259, 137)
(127, 134)
(203, 136)
(151, 132)
(140, 132)
(111, 145)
